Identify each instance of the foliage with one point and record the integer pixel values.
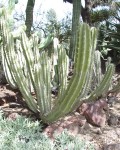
(23, 134)
(101, 15)
(102, 36)
(65, 141)
(114, 44)
(109, 39)
(90, 12)
(51, 24)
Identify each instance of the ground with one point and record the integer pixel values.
(11, 103)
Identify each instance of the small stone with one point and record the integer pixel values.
(111, 100)
(13, 116)
(113, 120)
(112, 147)
(94, 112)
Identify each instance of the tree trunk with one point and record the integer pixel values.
(29, 16)
(85, 12)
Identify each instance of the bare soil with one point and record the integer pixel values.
(11, 102)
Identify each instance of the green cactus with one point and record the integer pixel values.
(83, 59)
(97, 67)
(61, 67)
(31, 69)
(103, 86)
(8, 74)
(46, 41)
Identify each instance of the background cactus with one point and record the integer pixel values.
(97, 67)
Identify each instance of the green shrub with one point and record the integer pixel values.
(25, 134)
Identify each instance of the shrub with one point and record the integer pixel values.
(25, 134)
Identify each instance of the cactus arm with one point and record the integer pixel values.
(45, 42)
(42, 78)
(15, 68)
(29, 57)
(19, 77)
(63, 65)
(75, 87)
(60, 67)
(104, 84)
(42, 83)
(87, 85)
(55, 74)
(94, 34)
(28, 54)
(6, 65)
(97, 66)
(39, 68)
(8, 73)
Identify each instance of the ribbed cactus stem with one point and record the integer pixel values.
(39, 71)
(28, 65)
(5, 55)
(8, 72)
(104, 84)
(18, 73)
(42, 83)
(63, 66)
(87, 86)
(28, 54)
(97, 67)
(55, 74)
(75, 87)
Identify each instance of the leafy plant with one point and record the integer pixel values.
(109, 38)
(23, 133)
(114, 43)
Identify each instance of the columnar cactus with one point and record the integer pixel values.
(97, 67)
(30, 67)
(83, 60)
(61, 67)
(103, 86)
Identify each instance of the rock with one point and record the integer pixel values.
(112, 100)
(13, 116)
(113, 120)
(94, 112)
(71, 123)
(54, 90)
(112, 147)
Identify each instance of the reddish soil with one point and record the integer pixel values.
(11, 102)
